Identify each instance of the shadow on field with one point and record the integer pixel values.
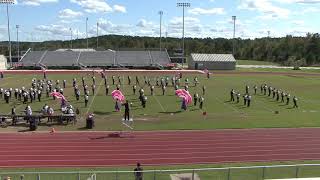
(102, 113)
(174, 112)
(25, 130)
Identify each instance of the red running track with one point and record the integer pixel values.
(96, 149)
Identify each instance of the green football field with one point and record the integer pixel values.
(164, 112)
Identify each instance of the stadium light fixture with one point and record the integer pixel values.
(18, 44)
(7, 2)
(161, 14)
(183, 5)
(234, 18)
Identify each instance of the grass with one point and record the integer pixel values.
(239, 174)
(163, 112)
(278, 70)
(253, 62)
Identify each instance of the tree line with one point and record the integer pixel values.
(285, 50)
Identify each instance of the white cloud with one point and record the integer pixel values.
(298, 22)
(193, 27)
(37, 2)
(93, 6)
(308, 1)
(265, 7)
(107, 27)
(68, 14)
(297, 1)
(119, 8)
(144, 23)
(53, 29)
(201, 11)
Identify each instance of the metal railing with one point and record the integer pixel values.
(224, 173)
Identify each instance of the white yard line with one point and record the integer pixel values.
(159, 104)
(90, 105)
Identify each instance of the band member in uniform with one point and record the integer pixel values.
(288, 99)
(295, 102)
(107, 90)
(201, 100)
(86, 100)
(232, 95)
(134, 88)
(195, 98)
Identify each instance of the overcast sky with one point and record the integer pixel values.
(52, 19)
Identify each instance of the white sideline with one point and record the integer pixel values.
(297, 179)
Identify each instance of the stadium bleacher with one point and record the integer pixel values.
(98, 58)
(65, 58)
(33, 58)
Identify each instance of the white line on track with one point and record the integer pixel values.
(216, 139)
(195, 150)
(86, 160)
(159, 140)
(227, 144)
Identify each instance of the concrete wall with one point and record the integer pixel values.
(3, 62)
(212, 65)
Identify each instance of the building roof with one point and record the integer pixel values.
(213, 57)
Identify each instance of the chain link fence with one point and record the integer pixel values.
(228, 173)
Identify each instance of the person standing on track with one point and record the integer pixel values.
(138, 172)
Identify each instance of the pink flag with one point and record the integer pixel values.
(206, 71)
(182, 93)
(58, 95)
(117, 95)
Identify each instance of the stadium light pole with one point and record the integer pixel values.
(87, 32)
(71, 38)
(234, 18)
(7, 2)
(18, 45)
(114, 56)
(166, 40)
(97, 35)
(161, 14)
(268, 34)
(183, 5)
